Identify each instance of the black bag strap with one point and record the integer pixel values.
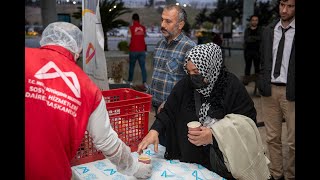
(197, 100)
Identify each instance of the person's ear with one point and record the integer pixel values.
(181, 24)
(76, 57)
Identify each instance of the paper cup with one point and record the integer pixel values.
(144, 159)
(194, 126)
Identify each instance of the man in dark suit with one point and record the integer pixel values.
(277, 87)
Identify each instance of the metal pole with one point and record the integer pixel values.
(48, 12)
(248, 10)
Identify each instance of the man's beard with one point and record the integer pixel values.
(287, 18)
(170, 34)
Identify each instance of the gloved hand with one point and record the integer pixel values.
(126, 164)
(144, 171)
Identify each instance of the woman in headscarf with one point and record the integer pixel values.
(206, 94)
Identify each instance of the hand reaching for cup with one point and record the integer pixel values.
(150, 138)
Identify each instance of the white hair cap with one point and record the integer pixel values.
(63, 34)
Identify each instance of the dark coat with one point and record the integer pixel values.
(264, 82)
(252, 39)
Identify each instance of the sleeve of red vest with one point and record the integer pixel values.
(107, 141)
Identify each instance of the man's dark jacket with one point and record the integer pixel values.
(264, 83)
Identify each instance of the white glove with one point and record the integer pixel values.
(123, 160)
(125, 164)
(144, 171)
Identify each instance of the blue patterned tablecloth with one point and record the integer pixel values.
(162, 169)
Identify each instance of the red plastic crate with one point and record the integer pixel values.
(129, 116)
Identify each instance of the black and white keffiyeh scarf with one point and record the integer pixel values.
(208, 60)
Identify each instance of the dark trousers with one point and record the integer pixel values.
(251, 56)
(162, 135)
(141, 57)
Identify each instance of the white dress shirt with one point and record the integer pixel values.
(289, 35)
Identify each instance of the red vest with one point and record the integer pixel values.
(137, 42)
(59, 98)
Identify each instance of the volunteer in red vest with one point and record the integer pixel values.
(137, 50)
(61, 103)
